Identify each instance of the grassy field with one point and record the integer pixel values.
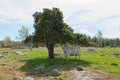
(11, 64)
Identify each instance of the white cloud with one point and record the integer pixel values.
(85, 31)
(85, 16)
(98, 8)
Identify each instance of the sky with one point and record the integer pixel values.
(83, 16)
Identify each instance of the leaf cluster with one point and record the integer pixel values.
(50, 27)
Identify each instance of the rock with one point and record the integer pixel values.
(79, 68)
(3, 64)
(1, 55)
(18, 78)
(19, 53)
(29, 78)
(105, 63)
(116, 54)
(55, 72)
(40, 68)
(99, 67)
(92, 49)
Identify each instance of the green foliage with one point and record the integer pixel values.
(108, 47)
(28, 39)
(105, 42)
(80, 39)
(18, 43)
(99, 34)
(7, 42)
(23, 33)
(100, 38)
(50, 27)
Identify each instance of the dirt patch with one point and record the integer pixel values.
(8, 69)
(87, 74)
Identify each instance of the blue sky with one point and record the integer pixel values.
(84, 16)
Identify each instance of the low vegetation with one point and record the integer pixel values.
(11, 64)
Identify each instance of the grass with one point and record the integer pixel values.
(103, 60)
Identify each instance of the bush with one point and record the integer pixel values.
(108, 47)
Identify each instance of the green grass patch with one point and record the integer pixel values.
(102, 60)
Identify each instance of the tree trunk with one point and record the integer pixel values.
(50, 48)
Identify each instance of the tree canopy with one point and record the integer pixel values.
(51, 29)
(23, 33)
(7, 42)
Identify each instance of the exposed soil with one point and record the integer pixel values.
(8, 69)
(87, 74)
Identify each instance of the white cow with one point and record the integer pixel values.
(73, 51)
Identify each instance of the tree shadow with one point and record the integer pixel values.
(59, 63)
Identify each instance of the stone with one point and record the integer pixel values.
(105, 63)
(99, 67)
(55, 72)
(19, 53)
(18, 78)
(3, 64)
(1, 55)
(29, 78)
(79, 68)
(92, 49)
(116, 54)
(40, 68)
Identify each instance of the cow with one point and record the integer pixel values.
(71, 51)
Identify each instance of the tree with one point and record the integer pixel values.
(7, 42)
(28, 41)
(117, 42)
(51, 29)
(81, 39)
(100, 39)
(1, 44)
(23, 33)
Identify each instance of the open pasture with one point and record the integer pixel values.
(104, 60)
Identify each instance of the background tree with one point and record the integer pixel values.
(1, 44)
(81, 39)
(28, 39)
(29, 42)
(7, 42)
(51, 29)
(117, 42)
(23, 33)
(100, 39)
(94, 41)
